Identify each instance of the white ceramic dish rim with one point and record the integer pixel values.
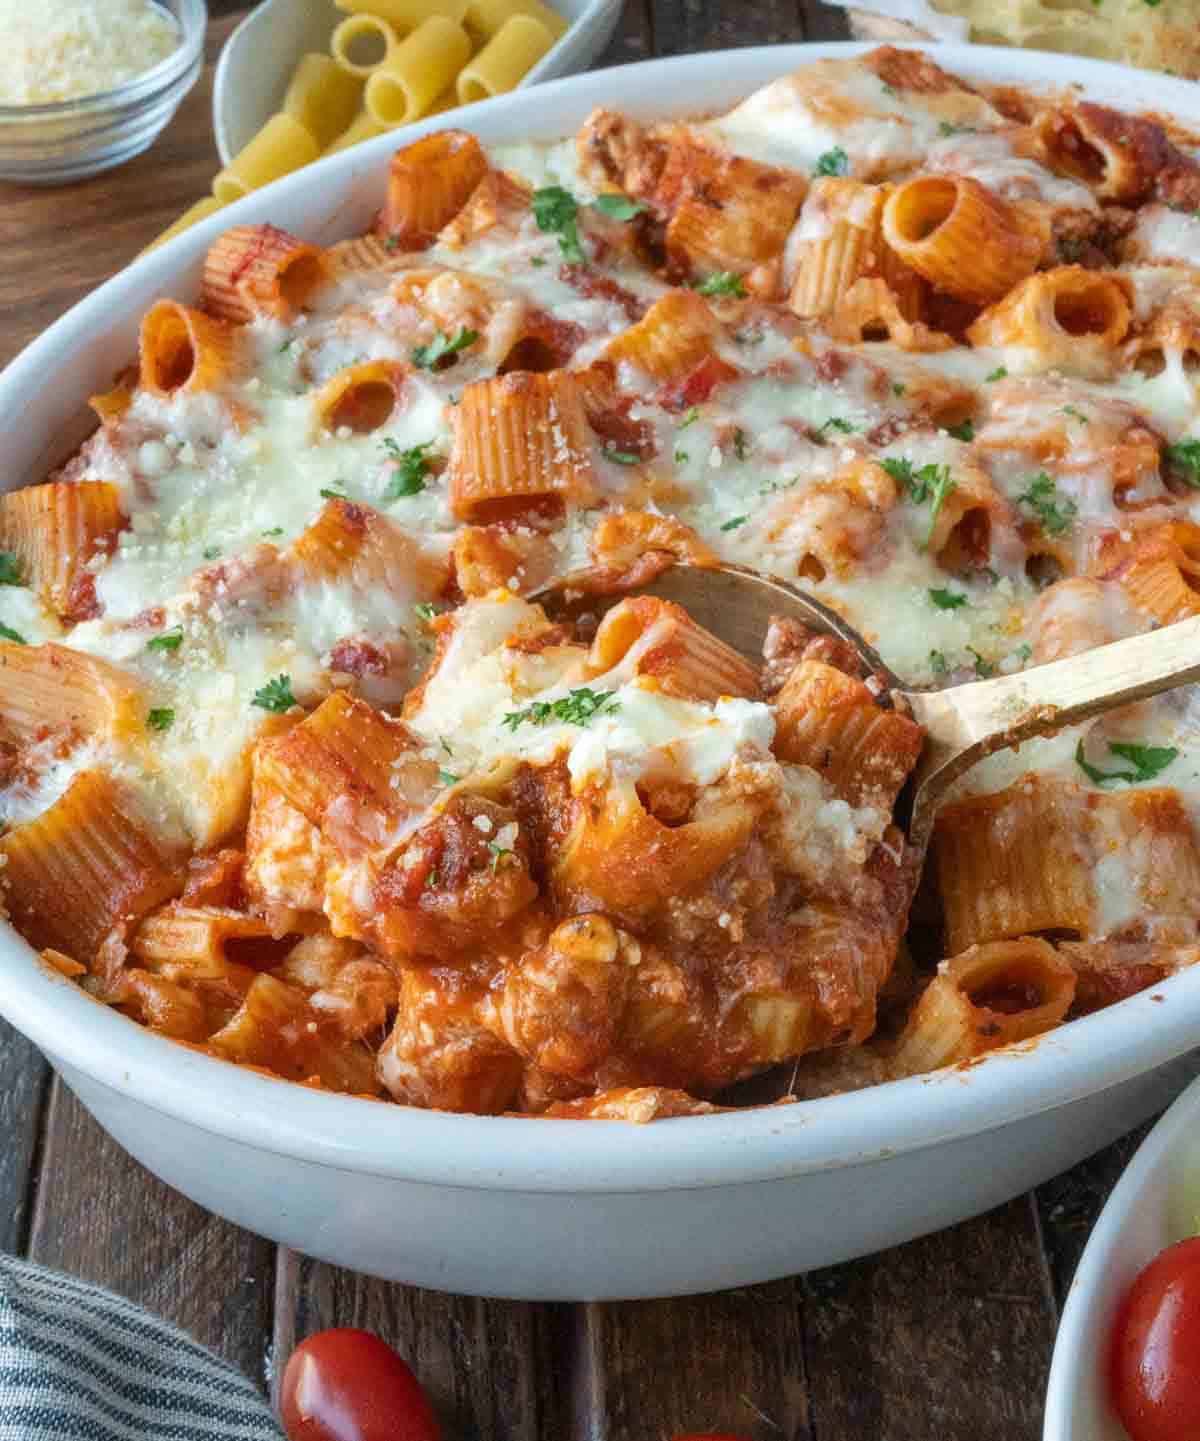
(589, 21)
(535, 1154)
(1110, 1260)
(192, 21)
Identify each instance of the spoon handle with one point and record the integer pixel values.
(968, 722)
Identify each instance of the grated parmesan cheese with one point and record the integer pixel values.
(66, 49)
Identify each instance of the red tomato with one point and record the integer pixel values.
(1155, 1359)
(348, 1385)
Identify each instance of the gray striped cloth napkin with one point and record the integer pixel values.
(80, 1364)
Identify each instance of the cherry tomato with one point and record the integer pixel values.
(1155, 1359)
(348, 1385)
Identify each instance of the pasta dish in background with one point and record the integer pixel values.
(295, 773)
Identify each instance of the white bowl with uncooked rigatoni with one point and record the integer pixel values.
(548, 1208)
(85, 86)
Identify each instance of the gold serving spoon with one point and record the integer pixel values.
(963, 723)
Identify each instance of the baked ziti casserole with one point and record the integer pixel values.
(295, 772)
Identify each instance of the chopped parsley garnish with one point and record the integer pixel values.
(1023, 651)
(274, 531)
(833, 162)
(998, 374)
(498, 853)
(680, 457)
(1153, 4)
(735, 522)
(1054, 512)
(538, 262)
(576, 708)
(556, 211)
(426, 610)
(723, 282)
(10, 569)
(1185, 457)
(169, 640)
(412, 466)
(448, 778)
(621, 457)
(1147, 762)
(617, 207)
(446, 746)
(690, 417)
(392, 243)
(1075, 414)
(947, 599)
(983, 667)
(210, 552)
(285, 347)
(835, 422)
(965, 431)
(898, 387)
(276, 695)
(9, 634)
(161, 718)
(328, 492)
(441, 346)
(741, 446)
(946, 128)
(938, 663)
(931, 483)
(432, 879)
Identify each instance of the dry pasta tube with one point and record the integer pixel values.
(361, 128)
(281, 146)
(323, 97)
(505, 60)
(192, 216)
(361, 43)
(960, 236)
(417, 72)
(405, 16)
(486, 18)
(989, 996)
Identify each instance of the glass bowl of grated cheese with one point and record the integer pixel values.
(87, 84)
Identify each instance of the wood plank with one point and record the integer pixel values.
(493, 1369)
(729, 1362)
(947, 1336)
(24, 1078)
(100, 1215)
(823, 22)
(1069, 1205)
(50, 265)
(634, 38)
(681, 26)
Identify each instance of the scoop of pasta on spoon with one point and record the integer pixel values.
(963, 723)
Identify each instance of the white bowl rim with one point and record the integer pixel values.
(516, 1153)
(1073, 1352)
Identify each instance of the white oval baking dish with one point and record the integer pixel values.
(523, 1207)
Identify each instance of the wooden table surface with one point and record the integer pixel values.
(945, 1338)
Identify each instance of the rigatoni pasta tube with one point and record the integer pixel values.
(54, 530)
(323, 96)
(360, 398)
(182, 349)
(960, 236)
(417, 71)
(428, 184)
(836, 239)
(405, 16)
(486, 18)
(673, 336)
(362, 127)
(989, 996)
(504, 61)
(1069, 318)
(281, 146)
(361, 43)
(653, 637)
(191, 216)
(260, 270)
